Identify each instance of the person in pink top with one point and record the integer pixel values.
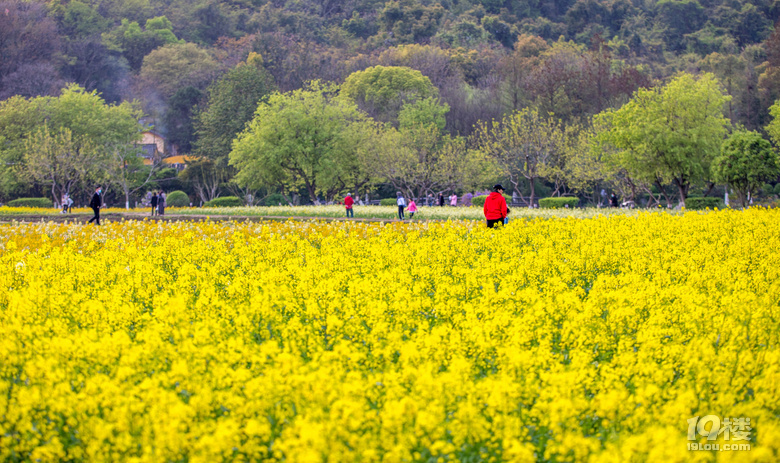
(411, 208)
(453, 200)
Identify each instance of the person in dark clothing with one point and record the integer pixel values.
(613, 200)
(95, 204)
(495, 207)
(154, 203)
(441, 200)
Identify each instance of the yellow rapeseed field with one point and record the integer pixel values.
(558, 340)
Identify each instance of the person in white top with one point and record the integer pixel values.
(401, 205)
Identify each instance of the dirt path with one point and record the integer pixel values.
(118, 217)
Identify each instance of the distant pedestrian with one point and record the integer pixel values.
(495, 209)
(412, 207)
(441, 199)
(69, 206)
(348, 202)
(65, 199)
(613, 199)
(154, 203)
(401, 205)
(95, 203)
(429, 200)
(161, 204)
(453, 200)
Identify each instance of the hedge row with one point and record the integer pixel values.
(557, 203)
(703, 203)
(31, 202)
(479, 201)
(225, 201)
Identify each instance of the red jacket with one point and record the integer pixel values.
(495, 206)
(348, 201)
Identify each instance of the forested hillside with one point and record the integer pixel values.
(180, 59)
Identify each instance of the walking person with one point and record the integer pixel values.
(401, 202)
(161, 204)
(95, 203)
(412, 208)
(453, 200)
(348, 202)
(64, 204)
(154, 203)
(495, 209)
(613, 200)
(441, 199)
(69, 205)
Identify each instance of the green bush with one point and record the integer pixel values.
(703, 203)
(777, 189)
(177, 198)
(388, 202)
(274, 199)
(479, 201)
(31, 202)
(557, 203)
(226, 201)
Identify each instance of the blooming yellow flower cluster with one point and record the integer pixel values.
(548, 340)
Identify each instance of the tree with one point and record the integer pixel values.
(232, 102)
(78, 125)
(298, 139)
(178, 118)
(135, 43)
(27, 36)
(59, 159)
(420, 158)
(381, 91)
(670, 133)
(176, 66)
(125, 168)
(523, 145)
(746, 161)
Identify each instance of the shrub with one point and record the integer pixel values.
(31, 202)
(703, 203)
(226, 201)
(388, 202)
(177, 198)
(558, 203)
(777, 189)
(274, 199)
(479, 201)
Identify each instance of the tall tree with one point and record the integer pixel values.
(298, 139)
(174, 66)
(78, 125)
(746, 161)
(381, 91)
(232, 102)
(523, 145)
(670, 133)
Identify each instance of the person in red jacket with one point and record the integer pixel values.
(495, 207)
(348, 202)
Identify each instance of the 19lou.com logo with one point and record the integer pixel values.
(710, 426)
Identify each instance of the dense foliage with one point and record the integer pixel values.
(433, 70)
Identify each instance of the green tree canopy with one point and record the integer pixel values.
(232, 102)
(670, 133)
(746, 161)
(523, 145)
(176, 66)
(299, 139)
(382, 90)
(76, 125)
